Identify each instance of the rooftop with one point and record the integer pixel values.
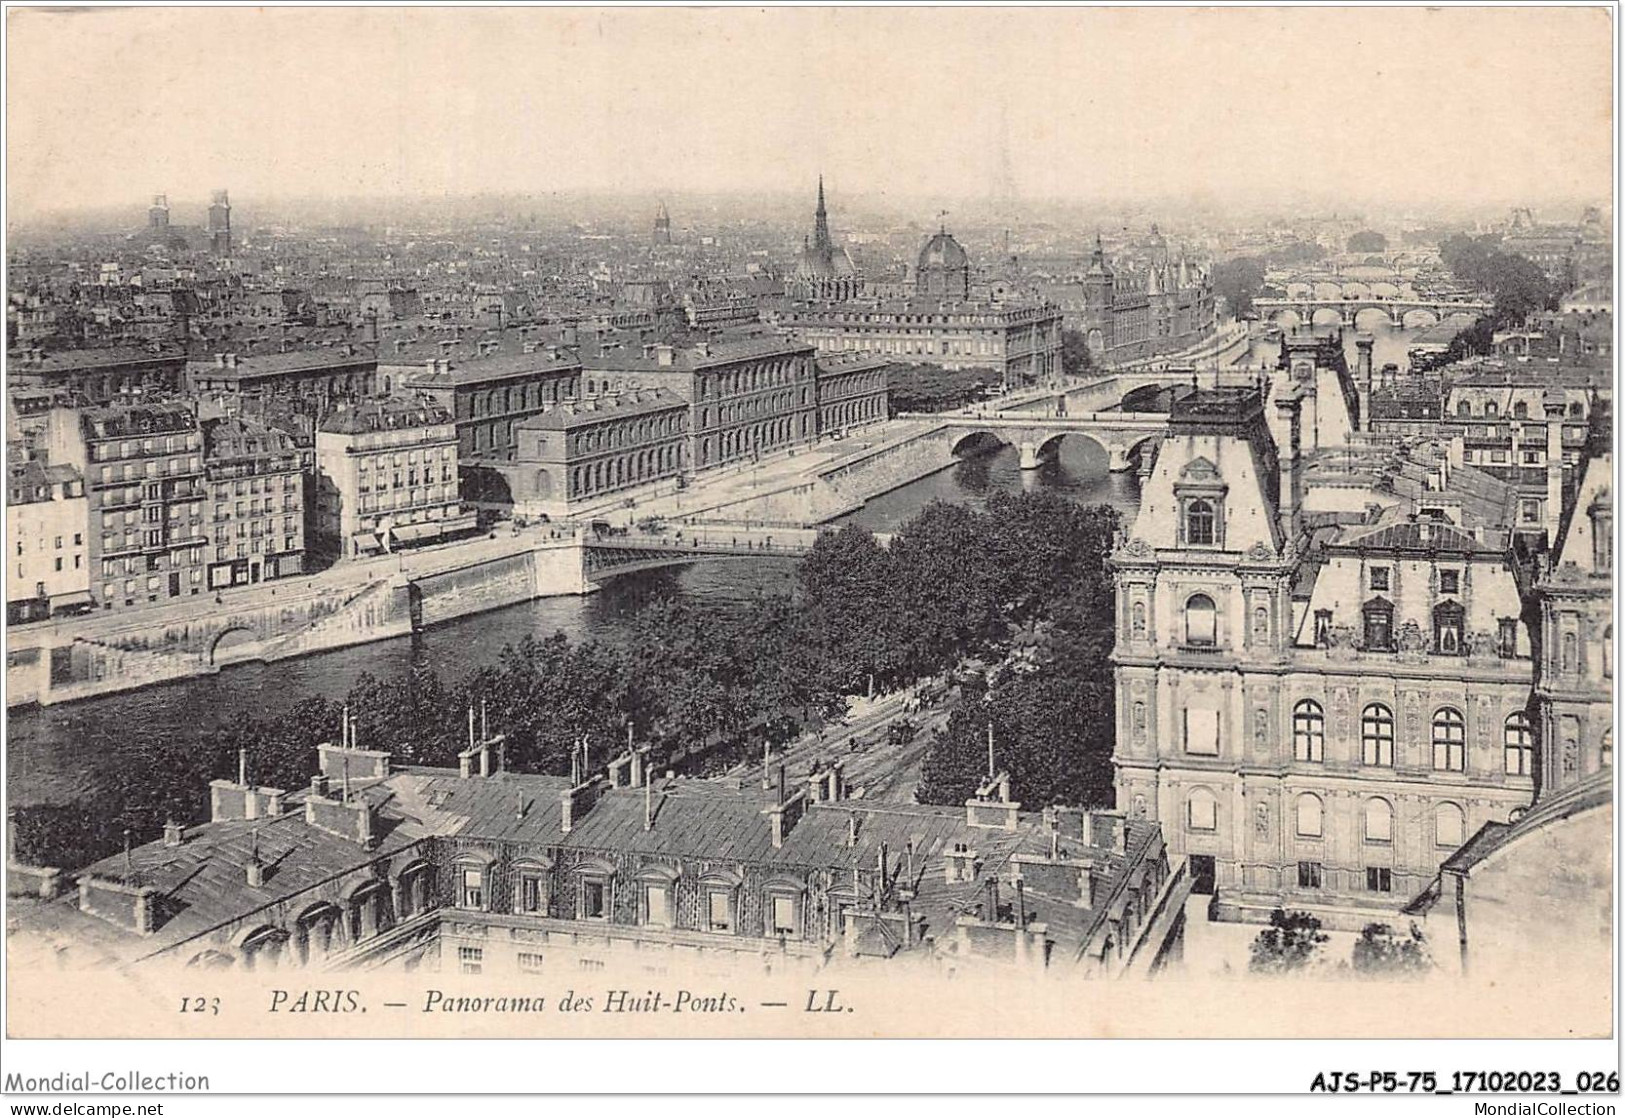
(384, 414)
(597, 409)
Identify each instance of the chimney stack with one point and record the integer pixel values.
(174, 833)
(1289, 407)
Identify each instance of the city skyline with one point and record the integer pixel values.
(1080, 106)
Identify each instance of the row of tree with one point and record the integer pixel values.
(706, 684)
(1518, 286)
(1294, 944)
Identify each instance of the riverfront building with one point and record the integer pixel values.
(1021, 343)
(851, 392)
(47, 569)
(489, 396)
(1318, 710)
(143, 471)
(1128, 314)
(749, 394)
(256, 507)
(582, 452)
(481, 870)
(387, 477)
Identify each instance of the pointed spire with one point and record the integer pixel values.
(821, 238)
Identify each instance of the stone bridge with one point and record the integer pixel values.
(1124, 436)
(606, 556)
(1344, 308)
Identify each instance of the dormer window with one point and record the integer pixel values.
(1200, 524)
(1378, 615)
(1464, 409)
(1506, 637)
(1323, 627)
(1447, 628)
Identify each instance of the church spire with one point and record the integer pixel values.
(821, 238)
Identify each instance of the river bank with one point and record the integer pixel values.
(45, 746)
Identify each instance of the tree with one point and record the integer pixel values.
(1076, 360)
(1238, 282)
(1379, 953)
(1368, 240)
(1290, 944)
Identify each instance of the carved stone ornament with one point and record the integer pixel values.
(1139, 806)
(1261, 820)
(1260, 552)
(1411, 638)
(1136, 548)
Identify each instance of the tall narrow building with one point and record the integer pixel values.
(824, 270)
(220, 224)
(662, 234)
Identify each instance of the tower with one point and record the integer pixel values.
(662, 234)
(158, 212)
(821, 238)
(220, 224)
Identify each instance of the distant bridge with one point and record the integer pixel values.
(609, 555)
(1346, 310)
(1122, 435)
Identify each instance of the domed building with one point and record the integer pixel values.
(944, 268)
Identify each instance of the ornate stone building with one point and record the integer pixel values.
(1127, 313)
(1318, 714)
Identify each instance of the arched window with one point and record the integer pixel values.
(1201, 621)
(1137, 622)
(1449, 740)
(1520, 410)
(1202, 811)
(1491, 409)
(1377, 735)
(1200, 523)
(1379, 821)
(1449, 825)
(1309, 816)
(1519, 739)
(1464, 409)
(1308, 731)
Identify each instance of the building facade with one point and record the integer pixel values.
(1316, 720)
(256, 507)
(582, 452)
(144, 479)
(1020, 343)
(490, 396)
(102, 376)
(317, 381)
(387, 477)
(851, 392)
(47, 517)
(1128, 314)
(748, 395)
(480, 870)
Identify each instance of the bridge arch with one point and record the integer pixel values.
(1286, 318)
(232, 644)
(1050, 448)
(1327, 290)
(1420, 316)
(974, 443)
(1325, 316)
(1368, 316)
(1299, 290)
(1383, 289)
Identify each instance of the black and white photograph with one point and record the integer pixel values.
(811, 523)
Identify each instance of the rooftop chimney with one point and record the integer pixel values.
(1289, 407)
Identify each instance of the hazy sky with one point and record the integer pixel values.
(1462, 105)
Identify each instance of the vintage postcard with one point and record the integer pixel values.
(815, 522)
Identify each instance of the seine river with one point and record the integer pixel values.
(45, 763)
